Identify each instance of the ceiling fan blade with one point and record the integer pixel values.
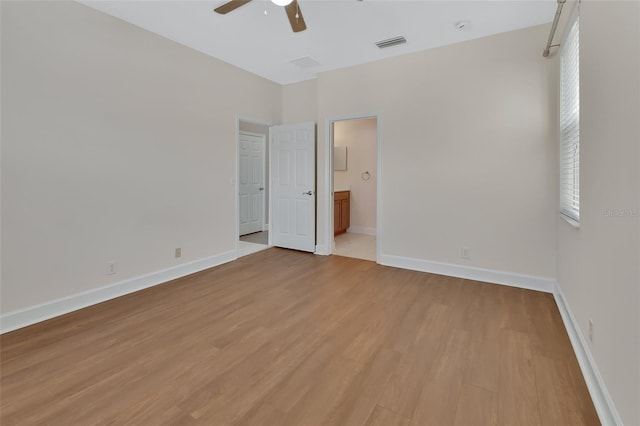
(229, 6)
(295, 17)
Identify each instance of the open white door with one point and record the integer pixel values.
(292, 170)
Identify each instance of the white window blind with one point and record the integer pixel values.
(570, 123)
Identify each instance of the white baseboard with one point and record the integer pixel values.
(361, 230)
(265, 227)
(34, 314)
(601, 399)
(530, 282)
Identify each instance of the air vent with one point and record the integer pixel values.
(391, 42)
(306, 62)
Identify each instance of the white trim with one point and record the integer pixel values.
(265, 227)
(34, 314)
(378, 191)
(321, 249)
(530, 282)
(601, 399)
(328, 185)
(270, 201)
(328, 219)
(361, 230)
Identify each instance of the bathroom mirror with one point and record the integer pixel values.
(339, 158)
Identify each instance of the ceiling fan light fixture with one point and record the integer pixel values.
(291, 7)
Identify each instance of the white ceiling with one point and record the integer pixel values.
(340, 33)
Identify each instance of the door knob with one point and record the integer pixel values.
(308, 193)
(261, 189)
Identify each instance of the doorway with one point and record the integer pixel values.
(355, 179)
(252, 184)
(287, 191)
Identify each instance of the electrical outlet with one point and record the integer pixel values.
(111, 268)
(591, 331)
(178, 252)
(465, 253)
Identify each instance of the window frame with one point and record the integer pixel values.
(569, 122)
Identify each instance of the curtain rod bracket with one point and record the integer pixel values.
(554, 26)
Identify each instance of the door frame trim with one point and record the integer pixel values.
(328, 214)
(234, 178)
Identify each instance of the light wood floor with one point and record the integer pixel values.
(285, 338)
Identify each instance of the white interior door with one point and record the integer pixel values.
(292, 172)
(251, 183)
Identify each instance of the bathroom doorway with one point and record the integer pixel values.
(355, 187)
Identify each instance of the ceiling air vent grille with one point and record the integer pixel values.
(391, 42)
(305, 62)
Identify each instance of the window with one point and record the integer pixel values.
(570, 124)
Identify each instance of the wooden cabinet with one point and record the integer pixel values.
(341, 212)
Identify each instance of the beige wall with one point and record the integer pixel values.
(300, 102)
(117, 144)
(361, 139)
(468, 154)
(599, 263)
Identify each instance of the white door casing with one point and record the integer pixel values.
(251, 182)
(292, 170)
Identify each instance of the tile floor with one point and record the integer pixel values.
(256, 237)
(360, 246)
(252, 243)
(245, 248)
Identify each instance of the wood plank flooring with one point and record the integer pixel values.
(286, 338)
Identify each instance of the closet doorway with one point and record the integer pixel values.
(253, 189)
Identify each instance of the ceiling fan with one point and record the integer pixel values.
(291, 6)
